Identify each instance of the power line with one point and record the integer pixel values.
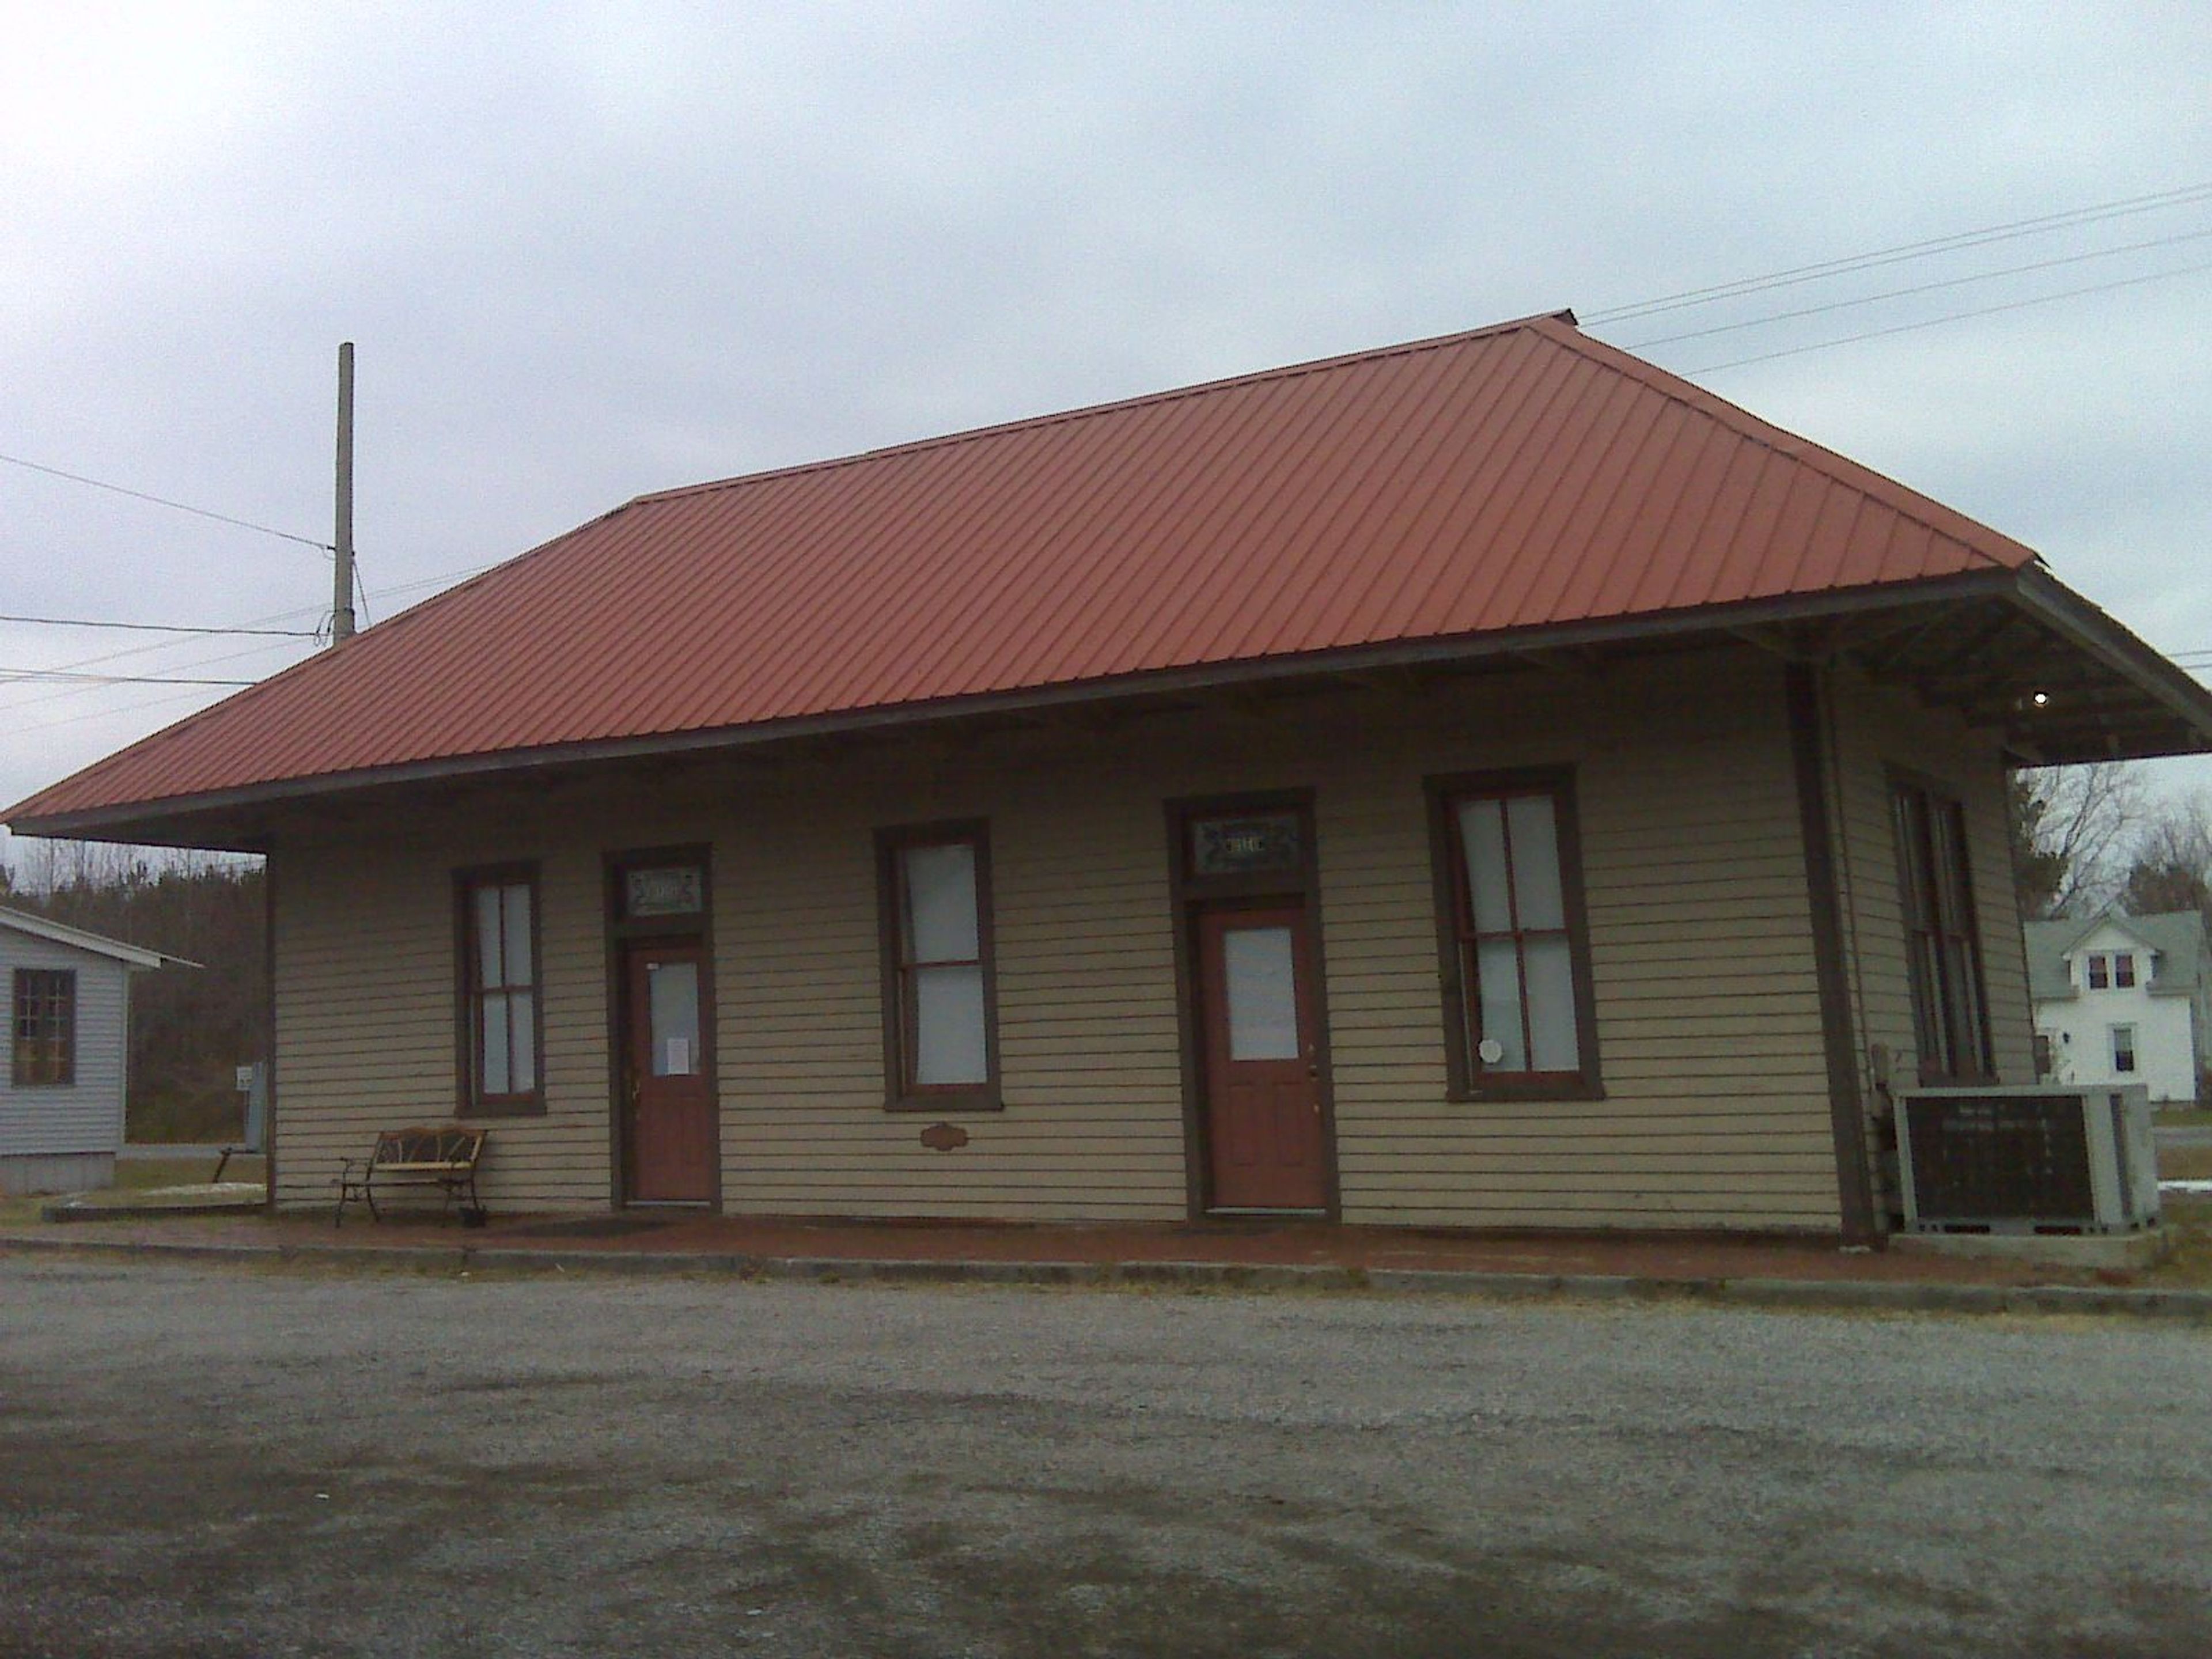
(16, 676)
(1953, 317)
(163, 500)
(1922, 287)
(154, 628)
(76, 690)
(2182, 196)
(70, 680)
(135, 708)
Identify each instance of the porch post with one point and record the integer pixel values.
(1802, 695)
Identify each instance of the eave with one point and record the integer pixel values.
(1985, 645)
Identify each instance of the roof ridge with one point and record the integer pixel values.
(1086, 412)
(1913, 505)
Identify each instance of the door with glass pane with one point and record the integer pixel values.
(669, 1130)
(1265, 1135)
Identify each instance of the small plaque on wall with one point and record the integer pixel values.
(667, 890)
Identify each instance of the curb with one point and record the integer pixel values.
(66, 1211)
(1787, 1295)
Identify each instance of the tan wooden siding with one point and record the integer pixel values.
(366, 1001)
(1875, 731)
(1092, 1124)
(1715, 1111)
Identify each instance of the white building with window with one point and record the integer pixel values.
(2124, 998)
(61, 1096)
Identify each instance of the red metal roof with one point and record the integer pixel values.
(1516, 477)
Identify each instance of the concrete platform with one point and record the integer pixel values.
(1799, 1272)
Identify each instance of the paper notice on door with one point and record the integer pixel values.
(678, 1059)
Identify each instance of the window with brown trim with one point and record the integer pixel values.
(501, 1041)
(1519, 1018)
(940, 1024)
(1943, 958)
(45, 1026)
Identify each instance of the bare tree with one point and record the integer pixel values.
(2072, 827)
(2171, 865)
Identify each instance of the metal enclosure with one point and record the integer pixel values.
(2033, 1160)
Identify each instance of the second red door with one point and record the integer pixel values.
(670, 1132)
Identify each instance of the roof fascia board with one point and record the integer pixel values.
(2083, 625)
(2120, 922)
(56, 933)
(1716, 622)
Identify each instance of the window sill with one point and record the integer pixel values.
(940, 1101)
(519, 1107)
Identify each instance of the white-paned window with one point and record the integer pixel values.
(1518, 1012)
(500, 995)
(2124, 1048)
(939, 1026)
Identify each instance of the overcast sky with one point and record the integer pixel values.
(587, 252)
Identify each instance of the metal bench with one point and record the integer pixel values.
(445, 1156)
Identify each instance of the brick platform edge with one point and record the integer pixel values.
(1811, 1296)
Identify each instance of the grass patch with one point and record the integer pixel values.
(2188, 1222)
(2185, 1163)
(136, 1175)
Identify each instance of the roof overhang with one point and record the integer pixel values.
(76, 938)
(2015, 653)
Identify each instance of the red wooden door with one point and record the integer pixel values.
(671, 1130)
(1266, 1143)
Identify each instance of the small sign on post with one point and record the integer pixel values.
(253, 1083)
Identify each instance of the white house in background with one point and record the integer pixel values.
(2122, 998)
(61, 1097)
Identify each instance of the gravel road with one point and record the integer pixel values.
(233, 1461)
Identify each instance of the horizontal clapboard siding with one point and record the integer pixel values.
(1715, 1111)
(1875, 732)
(366, 961)
(85, 1116)
(1092, 1124)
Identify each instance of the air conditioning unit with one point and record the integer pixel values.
(2037, 1160)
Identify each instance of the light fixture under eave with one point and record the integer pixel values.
(2041, 699)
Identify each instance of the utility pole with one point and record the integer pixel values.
(342, 577)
